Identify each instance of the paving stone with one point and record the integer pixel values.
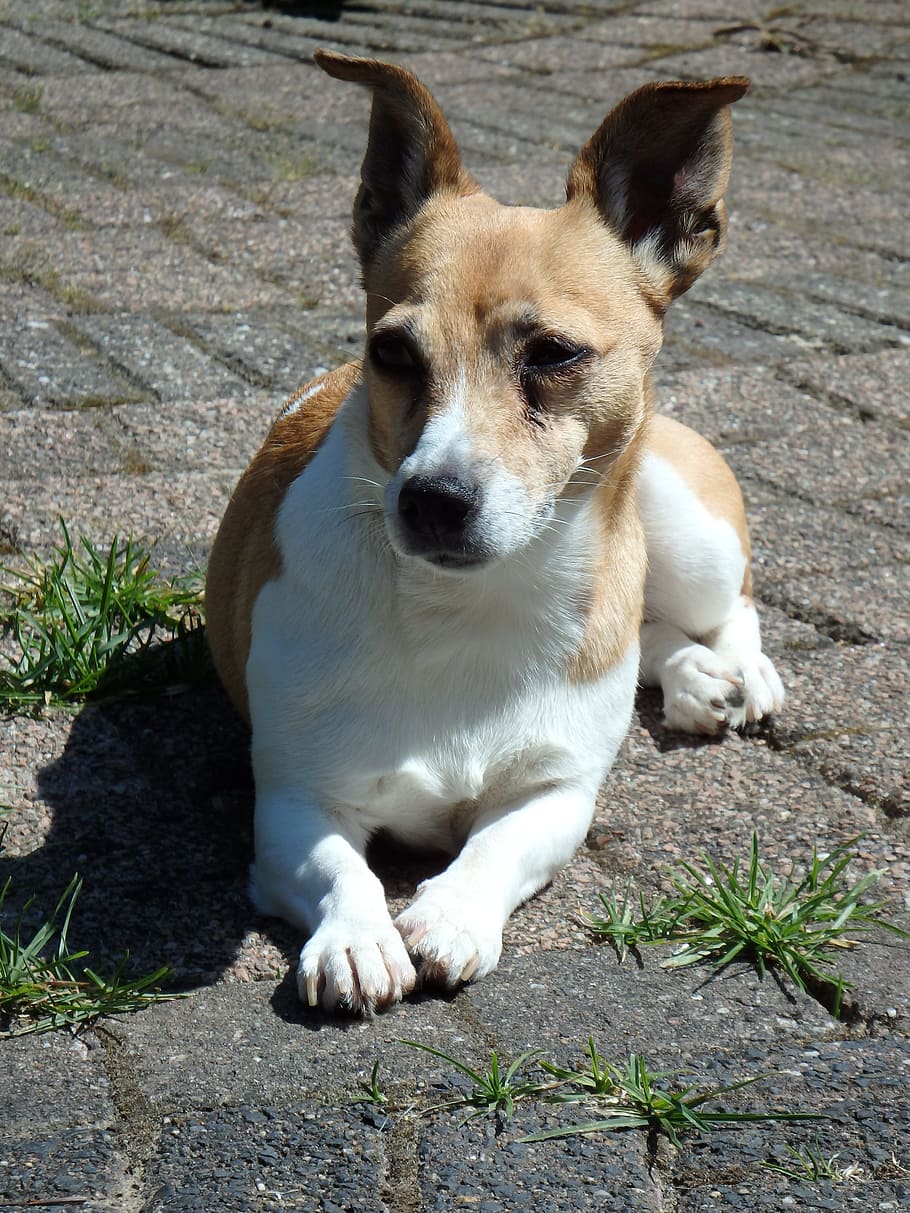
(872, 385)
(33, 56)
(49, 1080)
(128, 99)
(306, 1157)
(98, 48)
(817, 325)
(136, 270)
(177, 192)
(44, 165)
(234, 1044)
(166, 203)
(75, 1165)
(568, 53)
(736, 406)
(190, 44)
(856, 1083)
(47, 368)
(766, 71)
(697, 335)
(44, 448)
(175, 513)
(165, 363)
(840, 573)
(284, 347)
(468, 1165)
(58, 1107)
(834, 459)
(843, 722)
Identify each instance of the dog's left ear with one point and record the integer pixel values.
(411, 152)
(657, 168)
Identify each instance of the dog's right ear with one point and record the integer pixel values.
(411, 152)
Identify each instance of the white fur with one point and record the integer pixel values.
(700, 640)
(385, 694)
(508, 515)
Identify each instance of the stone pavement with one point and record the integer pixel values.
(175, 187)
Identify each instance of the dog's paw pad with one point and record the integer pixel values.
(451, 940)
(357, 969)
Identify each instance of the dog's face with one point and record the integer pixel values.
(506, 354)
(507, 347)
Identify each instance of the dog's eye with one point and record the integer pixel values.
(393, 353)
(550, 354)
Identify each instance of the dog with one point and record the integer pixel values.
(428, 589)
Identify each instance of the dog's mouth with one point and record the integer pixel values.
(455, 561)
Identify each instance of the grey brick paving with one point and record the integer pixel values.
(175, 190)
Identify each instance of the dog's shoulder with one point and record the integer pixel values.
(300, 427)
(245, 554)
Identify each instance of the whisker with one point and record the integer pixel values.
(376, 295)
(352, 505)
(364, 480)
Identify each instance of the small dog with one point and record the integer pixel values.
(428, 589)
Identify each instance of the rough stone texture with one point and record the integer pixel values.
(175, 191)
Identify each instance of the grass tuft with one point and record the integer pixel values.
(811, 1165)
(625, 1097)
(27, 98)
(634, 1097)
(793, 924)
(494, 1090)
(91, 624)
(45, 985)
(371, 1092)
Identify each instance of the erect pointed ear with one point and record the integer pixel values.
(411, 153)
(657, 168)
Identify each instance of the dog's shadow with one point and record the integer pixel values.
(152, 805)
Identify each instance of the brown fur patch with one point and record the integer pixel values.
(245, 555)
(618, 590)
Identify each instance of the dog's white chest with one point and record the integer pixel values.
(424, 700)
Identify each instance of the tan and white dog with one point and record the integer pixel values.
(427, 590)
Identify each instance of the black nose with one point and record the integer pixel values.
(438, 509)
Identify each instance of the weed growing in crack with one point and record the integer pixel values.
(629, 1096)
(91, 623)
(45, 985)
(27, 98)
(722, 913)
(494, 1090)
(811, 1165)
(370, 1092)
(634, 1097)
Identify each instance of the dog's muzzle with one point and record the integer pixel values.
(437, 517)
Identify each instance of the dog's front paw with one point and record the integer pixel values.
(763, 692)
(356, 968)
(702, 692)
(452, 938)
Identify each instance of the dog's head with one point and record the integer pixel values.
(508, 347)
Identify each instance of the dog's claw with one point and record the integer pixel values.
(449, 936)
(357, 967)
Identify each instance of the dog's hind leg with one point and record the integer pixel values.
(700, 641)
